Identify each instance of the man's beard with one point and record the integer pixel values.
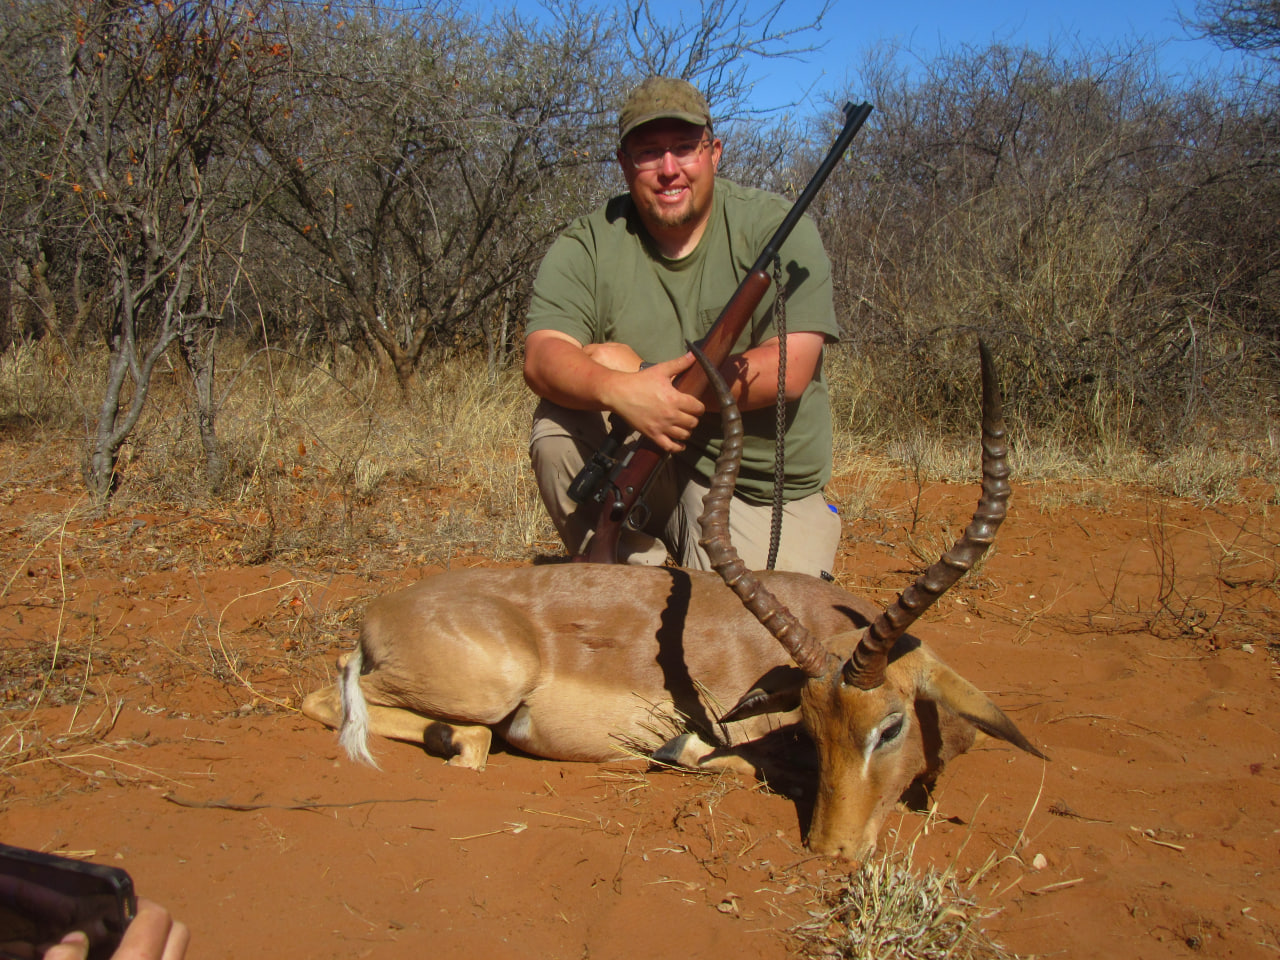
(672, 218)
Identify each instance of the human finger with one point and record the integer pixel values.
(676, 366)
(175, 947)
(74, 946)
(153, 935)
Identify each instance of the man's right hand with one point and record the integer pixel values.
(561, 370)
(650, 402)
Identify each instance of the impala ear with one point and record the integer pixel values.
(778, 691)
(947, 688)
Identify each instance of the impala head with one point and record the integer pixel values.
(878, 714)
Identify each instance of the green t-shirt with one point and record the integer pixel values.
(603, 281)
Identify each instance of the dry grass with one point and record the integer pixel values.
(890, 910)
(38, 387)
(1051, 499)
(444, 470)
(1096, 443)
(339, 459)
(857, 409)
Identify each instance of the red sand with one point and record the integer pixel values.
(1132, 639)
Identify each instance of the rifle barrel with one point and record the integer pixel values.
(855, 117)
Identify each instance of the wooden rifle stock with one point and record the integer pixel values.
(630, 476)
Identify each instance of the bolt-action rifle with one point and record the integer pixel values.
(618, 480)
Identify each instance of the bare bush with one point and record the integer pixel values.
(372, 187)
(1113, 234)
(133, 108)
(427, 168)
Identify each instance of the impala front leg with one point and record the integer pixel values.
(693, 753)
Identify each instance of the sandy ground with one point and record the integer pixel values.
(1132, 638)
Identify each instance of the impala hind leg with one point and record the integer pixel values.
(462, 745)
(324, 706)
(351, 706)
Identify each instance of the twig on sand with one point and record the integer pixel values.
(247, 807)
(1061, 885)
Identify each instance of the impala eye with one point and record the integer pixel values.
(890, 730)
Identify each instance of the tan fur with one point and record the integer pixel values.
(572, 661)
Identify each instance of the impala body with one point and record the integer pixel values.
(573, 661)
(518, 650)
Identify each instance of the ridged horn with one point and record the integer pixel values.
(865, 668)
(809, 655)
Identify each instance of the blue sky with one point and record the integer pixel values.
(922, 28)
(926, 26)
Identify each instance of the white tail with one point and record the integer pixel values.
(354, 733)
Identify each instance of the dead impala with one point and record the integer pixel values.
(567, 661)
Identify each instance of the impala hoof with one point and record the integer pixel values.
(461, 746)
(686, 750)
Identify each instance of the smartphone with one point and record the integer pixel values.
(43, 897)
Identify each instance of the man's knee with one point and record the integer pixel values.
(561, 436)
(808, 542)
(813, 537)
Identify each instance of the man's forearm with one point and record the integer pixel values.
(560, 370)
(563, 372)
(753, 374)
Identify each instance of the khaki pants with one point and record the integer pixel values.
(562, 440)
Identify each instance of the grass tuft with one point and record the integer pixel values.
(885, 910)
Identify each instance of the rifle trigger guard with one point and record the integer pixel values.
(639, 516)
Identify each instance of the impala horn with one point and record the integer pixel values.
(814, 659)
(865, 668)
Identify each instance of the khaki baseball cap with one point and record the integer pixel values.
(663, 98)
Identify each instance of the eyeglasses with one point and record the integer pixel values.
(650, 158)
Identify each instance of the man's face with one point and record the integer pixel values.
(670, 196)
